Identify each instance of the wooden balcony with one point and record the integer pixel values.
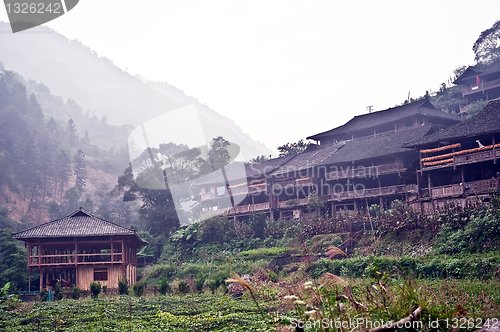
(469, 188)
(371, 192)
(467, 158)
(292, 203)
(207, 196)
(389, 169)
(483, 86)
(304, 182)
(70, 259)
(255, 189)
(248, 208)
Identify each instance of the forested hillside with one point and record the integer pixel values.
(54, 157)
(72, 70)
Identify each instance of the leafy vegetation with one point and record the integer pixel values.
(293, 148)
(95, 289)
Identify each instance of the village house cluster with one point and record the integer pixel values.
(415, 152)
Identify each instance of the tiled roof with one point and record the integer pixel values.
(307, 160)
(371, 120)
(268, 166)
(484, 123)
(363, 149)
(479, 70)
(341, 152)
(76, 224)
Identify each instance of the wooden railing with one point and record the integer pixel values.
(257, 189)
(389, 168)
(248, 208)
(468, 188)
(69, 259)
(476, 157)
(205, 196)
(468, 158)
(481, 87)
(303, 183)
(293, 202)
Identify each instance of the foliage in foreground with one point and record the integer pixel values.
(161, 313)
(279, 305)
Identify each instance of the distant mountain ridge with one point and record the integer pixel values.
(72, 70)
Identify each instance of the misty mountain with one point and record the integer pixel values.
(49, 168)
(73, 71)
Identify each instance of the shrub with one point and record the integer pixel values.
(273, 277)
(183, 286)
(139, 288)
(199, 283)
(214, 284)
(105, 289)
(43, 295)
(258, 225)
(261, 253)
(57, 291)
(75, 293)
(164, 286)
(122, 286)
(95, 289)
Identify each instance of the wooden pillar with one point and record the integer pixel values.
(334, 210)
(494, 150)
(41, 279)
(429, 184)
(39, 253)
(462, 174)
(29, 255)
(112, 252)
(397, 165)
(420, 160)
(453, 156)
(419, 195)
(355, 206)
(381, 202)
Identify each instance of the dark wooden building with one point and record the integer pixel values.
(481, 81)
(81, 248)
(460, 163)
(360, 163)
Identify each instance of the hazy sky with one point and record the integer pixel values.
(284, 70)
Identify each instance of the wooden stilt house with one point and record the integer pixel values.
(81, 248)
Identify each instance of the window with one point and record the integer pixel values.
(100, 274)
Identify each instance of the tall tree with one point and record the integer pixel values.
(219, 155)
(487, 46)
(62, 172)
(292, 148)
(174, 164)
(71, 133)
(157, 211)
(27, 170)
(80, 170)
(13, 259)
(35, 109)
